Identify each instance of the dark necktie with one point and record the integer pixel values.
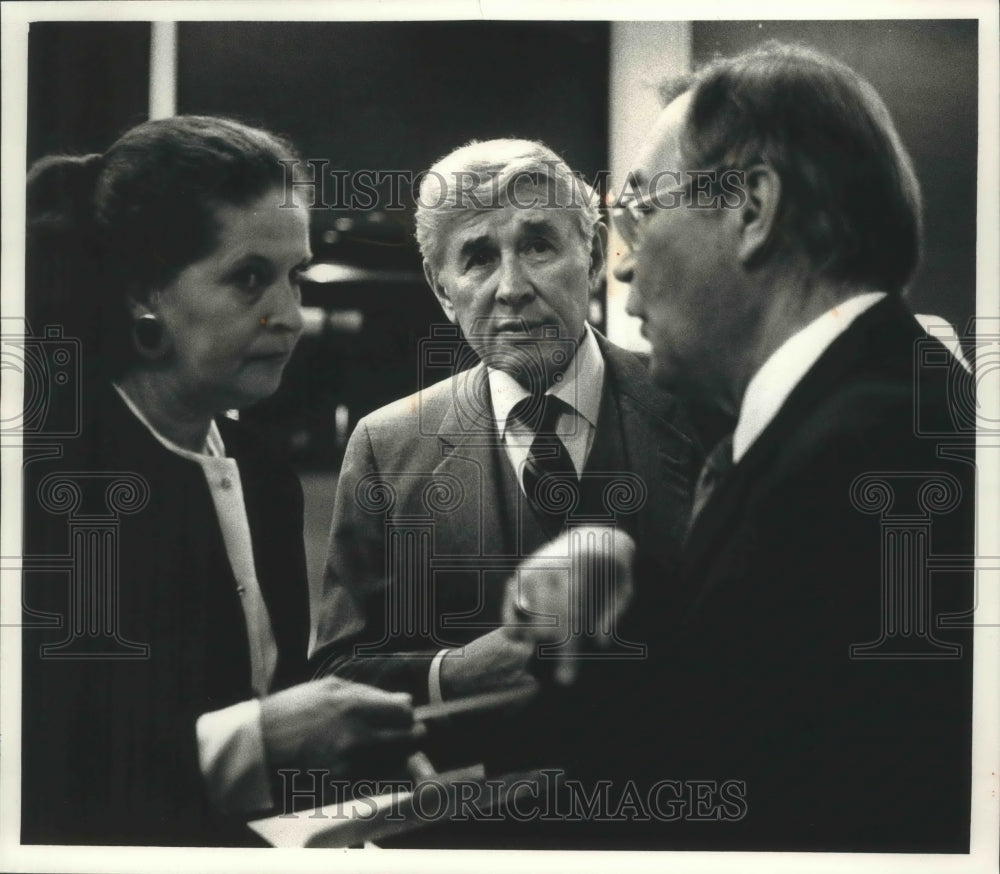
(718, 464)
(547, 458)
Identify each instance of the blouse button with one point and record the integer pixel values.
(226, 483)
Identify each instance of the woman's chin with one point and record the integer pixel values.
(252, 391)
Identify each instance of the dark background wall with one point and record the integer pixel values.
(399, 95)
(87, 82)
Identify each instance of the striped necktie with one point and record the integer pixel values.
(548, 458)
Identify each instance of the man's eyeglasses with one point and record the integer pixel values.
(630, 210)
(628, 213)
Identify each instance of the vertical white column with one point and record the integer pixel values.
(643, 54)
(163, 69)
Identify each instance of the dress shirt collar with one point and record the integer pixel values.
(214, 447)
(580, 387)
(789, 363)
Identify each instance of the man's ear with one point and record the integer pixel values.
(598, 255)
(440, 292)
(759, 214)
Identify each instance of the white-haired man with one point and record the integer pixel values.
(443, 493)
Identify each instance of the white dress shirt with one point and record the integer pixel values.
(773, 383)
(580, 388)
(790, 362)
(230, 741)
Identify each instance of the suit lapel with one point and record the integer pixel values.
(877, 339)
(471, 458)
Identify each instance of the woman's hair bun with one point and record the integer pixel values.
(60, 191)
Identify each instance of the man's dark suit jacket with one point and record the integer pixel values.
(819, 543)
(109, 753)
(429, 521)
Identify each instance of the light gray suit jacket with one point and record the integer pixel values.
(429, 521)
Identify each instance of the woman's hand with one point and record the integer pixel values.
(337, 726)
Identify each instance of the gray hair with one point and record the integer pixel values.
(483, 175)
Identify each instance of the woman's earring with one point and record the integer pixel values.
(149, 336)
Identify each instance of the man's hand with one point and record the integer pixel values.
(335, 724)
(571, 591)
(493, 661)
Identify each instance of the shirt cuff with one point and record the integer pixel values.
(231, 756)
(434, 695)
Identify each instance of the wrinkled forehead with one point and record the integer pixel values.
(527, 218)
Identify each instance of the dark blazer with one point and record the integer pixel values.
(109, 751)
(429, 521)
(799, 652)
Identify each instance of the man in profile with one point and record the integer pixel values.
(443, 493)
(804, 649)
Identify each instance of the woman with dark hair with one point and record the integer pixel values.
(166, 697)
